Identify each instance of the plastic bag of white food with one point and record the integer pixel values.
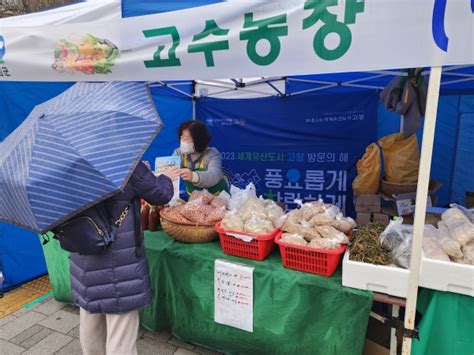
(431, 246)
(252, 207)
(448, 244)
(258, 225)
(342, 224)
(232, 221)
(239, 196)
(332, 211)
(293, 238)
(468, 251)
(332, 233)
(323, 243)
(274, 212)
(468, 212)
(460, 227)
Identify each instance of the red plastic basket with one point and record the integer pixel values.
(316, 261)
(258, 248)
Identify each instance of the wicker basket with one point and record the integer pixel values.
(188, 233)
(390, 188)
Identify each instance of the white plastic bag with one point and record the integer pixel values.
(232, 221)
(448, 244)
(274, 212)
(323, 243)
(239, 196)
(431, 246)
(460, 227)
(468, 212)
(468, 251)
(252, 207)
(332, 233)
(401, 255)
(394, 234)
(397, 238)
(293, 238)
(258, 226)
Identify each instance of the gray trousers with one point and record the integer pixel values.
(109, 334)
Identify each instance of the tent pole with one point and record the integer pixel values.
(193, 99)
(421, 201)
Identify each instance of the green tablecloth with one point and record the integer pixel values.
(294, 312)
(447, 326)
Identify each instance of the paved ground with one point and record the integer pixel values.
(52, 327)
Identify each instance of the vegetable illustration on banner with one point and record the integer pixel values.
(4, 72)
(90, 55)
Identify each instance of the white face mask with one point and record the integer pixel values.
(186, 148)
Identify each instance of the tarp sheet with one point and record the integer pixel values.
(294, 312)
(293, 148)
(446, 326)
(21, 257)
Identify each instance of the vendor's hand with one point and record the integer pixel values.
(186, 174)
(172, 173)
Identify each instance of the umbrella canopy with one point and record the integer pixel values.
(74, 151)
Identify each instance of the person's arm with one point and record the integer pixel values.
(213, 174)
(155, 190)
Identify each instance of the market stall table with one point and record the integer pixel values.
(294, 312)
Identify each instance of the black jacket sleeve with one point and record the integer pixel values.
(154, 190)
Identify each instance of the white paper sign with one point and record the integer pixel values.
(164, 163)
(233, 295)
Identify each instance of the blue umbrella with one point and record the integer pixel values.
(74, 151)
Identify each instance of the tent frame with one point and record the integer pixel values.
(435, 84)
(240, 84)
(434, 87)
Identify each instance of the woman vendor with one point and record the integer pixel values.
(201, 165)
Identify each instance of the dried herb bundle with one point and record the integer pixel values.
(365, 246)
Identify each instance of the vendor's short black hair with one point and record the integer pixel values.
(199, 132)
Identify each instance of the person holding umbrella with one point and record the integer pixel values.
(201, 164)
(74, 167)
(112, 287)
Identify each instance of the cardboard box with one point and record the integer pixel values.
(405, 203)
(372, 348)
(381, 217)
(367, 203)
(363, 218)
(362, 209)
(367, 200)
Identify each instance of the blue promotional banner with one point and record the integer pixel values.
(300, 147)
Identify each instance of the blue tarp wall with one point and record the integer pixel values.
(21, 258)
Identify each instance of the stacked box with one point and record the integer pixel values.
(369, 209)
(368, 203)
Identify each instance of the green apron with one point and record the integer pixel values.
(222, 185)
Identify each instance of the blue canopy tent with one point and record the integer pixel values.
(179, 101)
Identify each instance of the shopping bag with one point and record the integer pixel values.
(401, 158)
(368, 172)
